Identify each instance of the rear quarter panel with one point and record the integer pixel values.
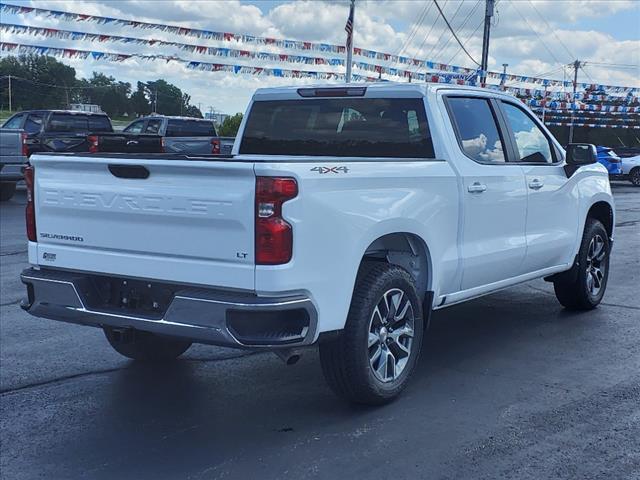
(11, 146)
(336, 216)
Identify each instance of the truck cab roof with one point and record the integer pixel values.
(372, 89)
(71, 112)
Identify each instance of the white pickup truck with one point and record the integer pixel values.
(345, 215)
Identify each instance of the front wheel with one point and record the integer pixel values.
(634, 176)
(584, 286)
(371, 361)
(145, 346)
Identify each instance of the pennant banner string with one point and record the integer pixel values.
(252, 70)
(300, 45)
(214, 51)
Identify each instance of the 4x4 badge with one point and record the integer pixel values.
(322, 170)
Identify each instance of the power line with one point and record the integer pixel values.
(614, 65)
(414, 29)
(537, 34)
(433, 47)
(585, 72)
(13, 77)
(548, 72)
(433, 24)
(460, 27)
(571, 55)
(466, 40)
(454, 33)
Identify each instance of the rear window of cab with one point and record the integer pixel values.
(339, 127)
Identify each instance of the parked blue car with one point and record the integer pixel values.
(608, 158)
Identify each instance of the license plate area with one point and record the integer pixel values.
(132, 297)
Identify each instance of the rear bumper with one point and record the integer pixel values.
(11, 172)
(230, 319)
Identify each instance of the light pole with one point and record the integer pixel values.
(504, 73)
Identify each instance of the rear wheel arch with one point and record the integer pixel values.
(407, 250)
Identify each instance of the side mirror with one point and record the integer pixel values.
(579, 154)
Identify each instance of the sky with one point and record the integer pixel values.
(534, 37)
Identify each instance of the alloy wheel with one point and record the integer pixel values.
(596, 265)
(391, 331)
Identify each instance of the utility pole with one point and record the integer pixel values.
(349, 29)
(488, 13)
(544, 104)
(576, 66)
(10, 109)
(504, 73)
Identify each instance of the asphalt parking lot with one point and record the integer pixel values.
(509, 386)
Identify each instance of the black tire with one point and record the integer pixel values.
(634, 176)
(7, 190)
(574, 290)
(345, 359)
(145, 346)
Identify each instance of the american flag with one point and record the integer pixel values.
(349, 26)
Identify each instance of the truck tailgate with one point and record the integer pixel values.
(188, 221)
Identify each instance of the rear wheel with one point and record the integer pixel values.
(7, 190)
(145, 346)
(583, 287)
(372, 359)
(634, 176)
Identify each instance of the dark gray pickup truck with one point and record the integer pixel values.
(62, 131)
(13, 156)
(164, 134)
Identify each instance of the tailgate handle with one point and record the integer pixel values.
(129, 171)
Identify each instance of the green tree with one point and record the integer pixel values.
(139, 102)
(230, 126)
(166, 98)
(111, 95)
(37, 82)
(193, 111)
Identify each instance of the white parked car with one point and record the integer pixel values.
(344, 217)
(631, 169)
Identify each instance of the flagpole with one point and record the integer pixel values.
(350, 40)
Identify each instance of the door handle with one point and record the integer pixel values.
(535, 184)
(476, 187)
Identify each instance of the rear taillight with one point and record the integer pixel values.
(30, 211)
(215, 146)
(162, 145)
(274, 236)
(25, 147)
(93, 143)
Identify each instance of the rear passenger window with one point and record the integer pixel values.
(135, 127)
(99, 123)
(190, 128)
(64, 122)
(153, 126)
(476, 129)
(33, 123)
(340, 127)
(533, 145)
(14, 122)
